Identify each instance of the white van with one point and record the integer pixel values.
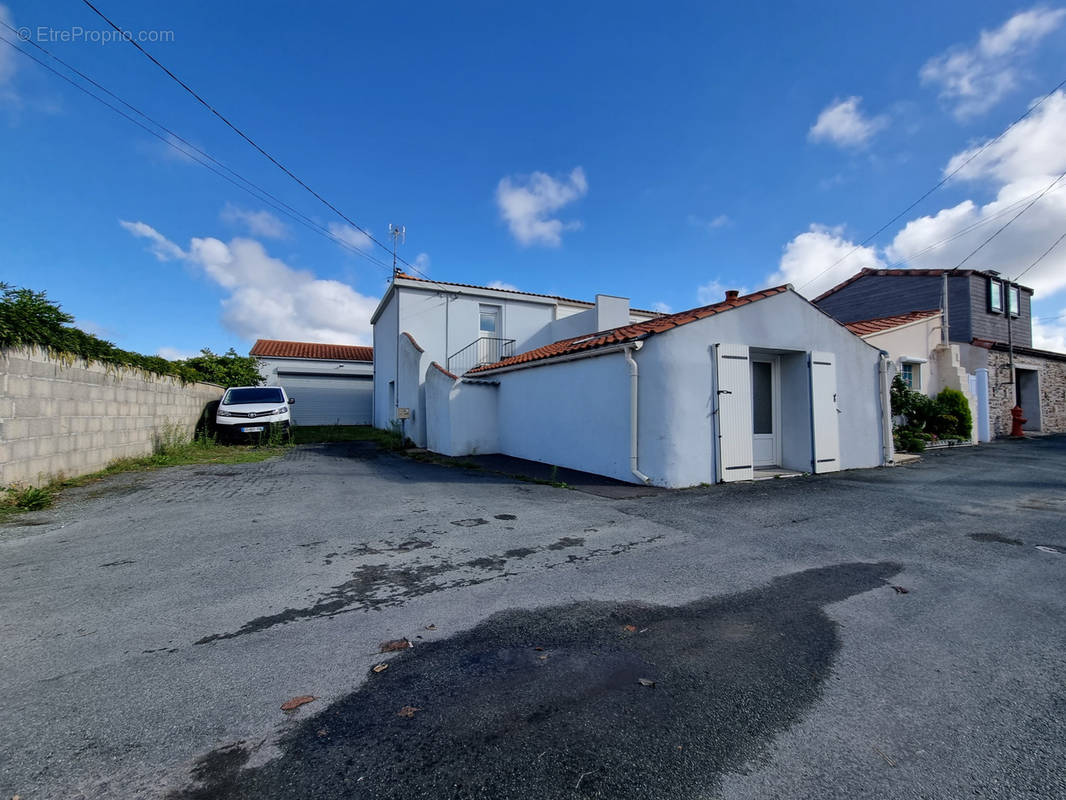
(251, 410)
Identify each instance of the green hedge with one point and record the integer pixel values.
(29, 318)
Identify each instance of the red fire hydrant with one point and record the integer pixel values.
(1016, 422)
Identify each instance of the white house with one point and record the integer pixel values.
(715, 393)
(333, 384)
(915, 347)
(461, 326)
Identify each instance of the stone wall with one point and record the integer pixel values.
(66, 417)
(1052, 377)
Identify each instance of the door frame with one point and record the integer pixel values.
(775, 391)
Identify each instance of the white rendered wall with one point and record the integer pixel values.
(677, 395)
(270, 367)
(385, 333)
(916, 340)
(573, 414)
(461, 417)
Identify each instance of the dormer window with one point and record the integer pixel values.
(1014, 299)
(995, 296)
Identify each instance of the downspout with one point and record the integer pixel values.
(633, 440)
(886, 410)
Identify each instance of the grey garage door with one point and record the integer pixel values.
(329, 399)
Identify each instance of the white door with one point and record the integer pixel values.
(764, 412)
(329, 399)
(488, 347)
(824, 423)
(733, 387)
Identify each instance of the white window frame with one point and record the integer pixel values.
(1014, 300)
(916, 371)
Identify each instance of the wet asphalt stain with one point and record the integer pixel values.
(387, 546)
(375, 586)
(519, 552)
(505, 516)
(121, 563)
(470, 523)
(995, 537)
(550, 703)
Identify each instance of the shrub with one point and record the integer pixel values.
(953, 406)
(29, 318)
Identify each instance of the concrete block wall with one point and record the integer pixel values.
(66, 417)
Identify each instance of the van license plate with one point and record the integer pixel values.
(253, 429)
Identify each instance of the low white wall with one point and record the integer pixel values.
(461, 416)
(66, 417)
(574, 414)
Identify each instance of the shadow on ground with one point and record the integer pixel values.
(588, 700)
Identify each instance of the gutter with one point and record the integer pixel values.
(633, 440)
(886, 409)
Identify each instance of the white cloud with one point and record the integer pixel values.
(809, 261)
(1035, 146)
(161, 247)
(662, 308)
(1021, 165)
(350, 236)
(843, 123)
(175, 354)
(266, 297)
(721, 221)
(526, 205)
(972, 80)
(257, 223)
(421, 262)
(714, 291)
(1051, 334)
(507, 287)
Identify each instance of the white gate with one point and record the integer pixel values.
(825, 426)
(733, 384)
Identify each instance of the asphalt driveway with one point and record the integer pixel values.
(882, 633)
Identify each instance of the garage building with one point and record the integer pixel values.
(333, 384)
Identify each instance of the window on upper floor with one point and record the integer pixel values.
(912, 374)
(1014, 300)
(490, 321)
(995, 296)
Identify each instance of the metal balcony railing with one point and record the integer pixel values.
(478, 352)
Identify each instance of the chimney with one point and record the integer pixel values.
(731, 294)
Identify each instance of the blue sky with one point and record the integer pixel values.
(663, 152)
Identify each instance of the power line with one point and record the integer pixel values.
(1009, 222)
(237, 130)
(940, 183)
(263, 195)
(1042, 256)
(964, 231)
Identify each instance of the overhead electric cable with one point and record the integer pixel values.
(936, 186)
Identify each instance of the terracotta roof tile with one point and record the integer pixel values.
(628, 333)
(274, 348)
(867, 326)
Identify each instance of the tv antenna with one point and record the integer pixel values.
(399, 236)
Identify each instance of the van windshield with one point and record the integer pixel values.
(236, 397)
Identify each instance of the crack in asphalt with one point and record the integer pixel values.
(375, 586)
(589, 700)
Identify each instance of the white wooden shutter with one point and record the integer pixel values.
(735, 430)
(824, 423)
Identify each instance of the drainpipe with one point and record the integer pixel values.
(886, 410)
(633, 376)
